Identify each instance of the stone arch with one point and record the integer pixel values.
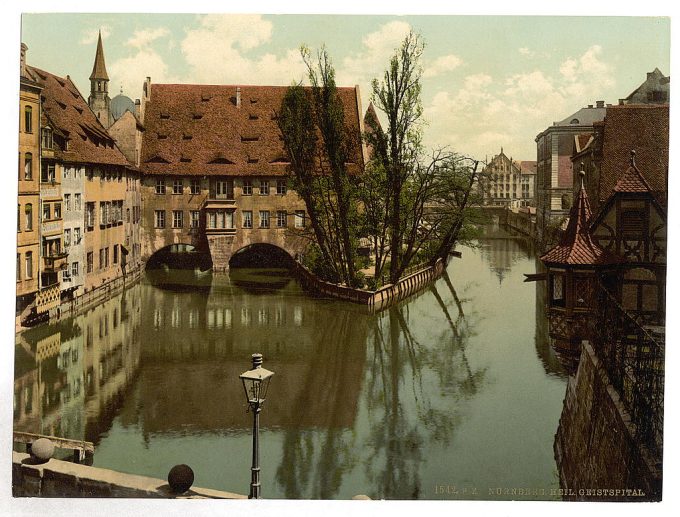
(179, 255)
(261, 254)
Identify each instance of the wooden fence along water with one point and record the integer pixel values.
(383, 298)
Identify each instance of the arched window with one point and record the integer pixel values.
(566, 201)
(29, 217)
(28, 166)
(28, 119)
(574, 121)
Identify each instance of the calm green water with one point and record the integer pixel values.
(457, 387)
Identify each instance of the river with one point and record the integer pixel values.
(453, 394)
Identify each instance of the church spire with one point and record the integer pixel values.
(99, 68)
(99, 100)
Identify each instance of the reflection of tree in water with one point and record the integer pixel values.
(401, 359)
(321, 450)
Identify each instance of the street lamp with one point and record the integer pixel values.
(255, 385)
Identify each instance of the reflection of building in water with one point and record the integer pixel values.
(198, 346)
(502, 251)
(69, 375)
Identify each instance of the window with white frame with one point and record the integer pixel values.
(159, 218)
(76, 235)
(281, 219)
(299, 219)
(247, 188)
(177, 218)
(177, 186)
(195, 186)
(264, 218)
(247, 219)
(160, 186)
(264, 187)
(67, 237)
(74, 268)
(195, 218)
(67, 202)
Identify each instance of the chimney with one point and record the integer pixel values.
(600, 104)
(590, 105)
(138, 107)
(22, 60)
(621, 102)
(238, 96)
(650, 75)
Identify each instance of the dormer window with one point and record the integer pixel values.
(198, 116)
(47, 139)
(165, 116)
(574, 121)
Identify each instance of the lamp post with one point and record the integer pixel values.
(255, 385)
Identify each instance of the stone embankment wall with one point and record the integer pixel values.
(384, 297)
(58, 478)
(521, 222)
(95, 296)
(595, 446)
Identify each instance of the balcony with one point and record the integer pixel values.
(55, 261)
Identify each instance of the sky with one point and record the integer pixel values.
(488, 81)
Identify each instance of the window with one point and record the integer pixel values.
(67, 237)
(29, 264)
(28, 167)
(19, 217)
(47, 141)
(177, 186)
(29, 217)
(177, 218)
(67, 202)
(247, 188)
(28, 119)
(195, 186)
(247, 219)
(101, 258)
(18, 267)
(76, 236)
(264, 218)
(557, 297)
(160, 186)
(264, 187)
(90, 261)
(159, 218)
(632, 222)
(76, 202)
(221, 189)
(89, 215)
(281, 219)
(74, 269)
(195, 218)
(212, 220)
(47, 174)
(299, 219)
(103, 212)
(127, 215)
(46, 212)
(281, 187)
(115, 253)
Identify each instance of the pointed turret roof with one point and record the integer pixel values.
(632, 180)
(576, 247)
(99, 68)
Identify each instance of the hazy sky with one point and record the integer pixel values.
(488, 81)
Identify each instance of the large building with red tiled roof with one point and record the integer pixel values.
(215, 169)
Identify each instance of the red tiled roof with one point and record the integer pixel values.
(88, 140)
(632, 180)
(640, 127)
(199, 130)
(528, 166)
(576, 247)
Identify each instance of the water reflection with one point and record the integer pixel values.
(70, 377)
(440, 389)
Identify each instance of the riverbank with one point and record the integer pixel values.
(57, 478)
(89, 299)
(376, 301)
